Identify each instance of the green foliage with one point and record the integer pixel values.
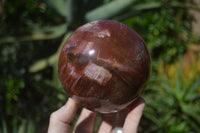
(13, 89)
(19, 126)
(162, 34)
(25, 95)
(112, 9)
(21, 18)
(59, 6)
(172, 107)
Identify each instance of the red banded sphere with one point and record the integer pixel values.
(104, 66)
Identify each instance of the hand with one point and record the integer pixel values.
(60, 119)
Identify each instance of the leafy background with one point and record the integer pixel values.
(33, 31)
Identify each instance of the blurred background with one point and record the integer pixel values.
(33, 31)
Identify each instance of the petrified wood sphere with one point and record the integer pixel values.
(104, 65)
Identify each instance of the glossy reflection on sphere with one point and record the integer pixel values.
(104, 65)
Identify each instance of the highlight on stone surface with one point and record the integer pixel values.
(104, 66)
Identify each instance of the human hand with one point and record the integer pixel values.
(60, 119)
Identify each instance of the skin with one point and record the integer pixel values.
(60, 119)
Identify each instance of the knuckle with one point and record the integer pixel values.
(53, 116)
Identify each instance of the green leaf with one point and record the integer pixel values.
(178, 126)
(14, 130)
(49, 32)
(60, 6)
(139, 8)
(192, 111)
(109, 10)
(43, 63)
(22, 127)
(4, 127)
(150, 6)
(30, 126)
(179, 80)
(183, 5)
(75, 13)
(179, 86)
(151, 114)
(147, 5)
(164, 120)
(192, 93)
(166, 85)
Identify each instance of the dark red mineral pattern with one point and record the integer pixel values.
(104, 66)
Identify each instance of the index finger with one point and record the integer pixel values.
(60, 119)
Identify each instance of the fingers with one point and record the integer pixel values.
(85, 122)
(133, 118)
(60, 119)
(107, 123)
(113, 120)
(105, 127)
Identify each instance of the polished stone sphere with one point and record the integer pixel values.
(104, 66)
